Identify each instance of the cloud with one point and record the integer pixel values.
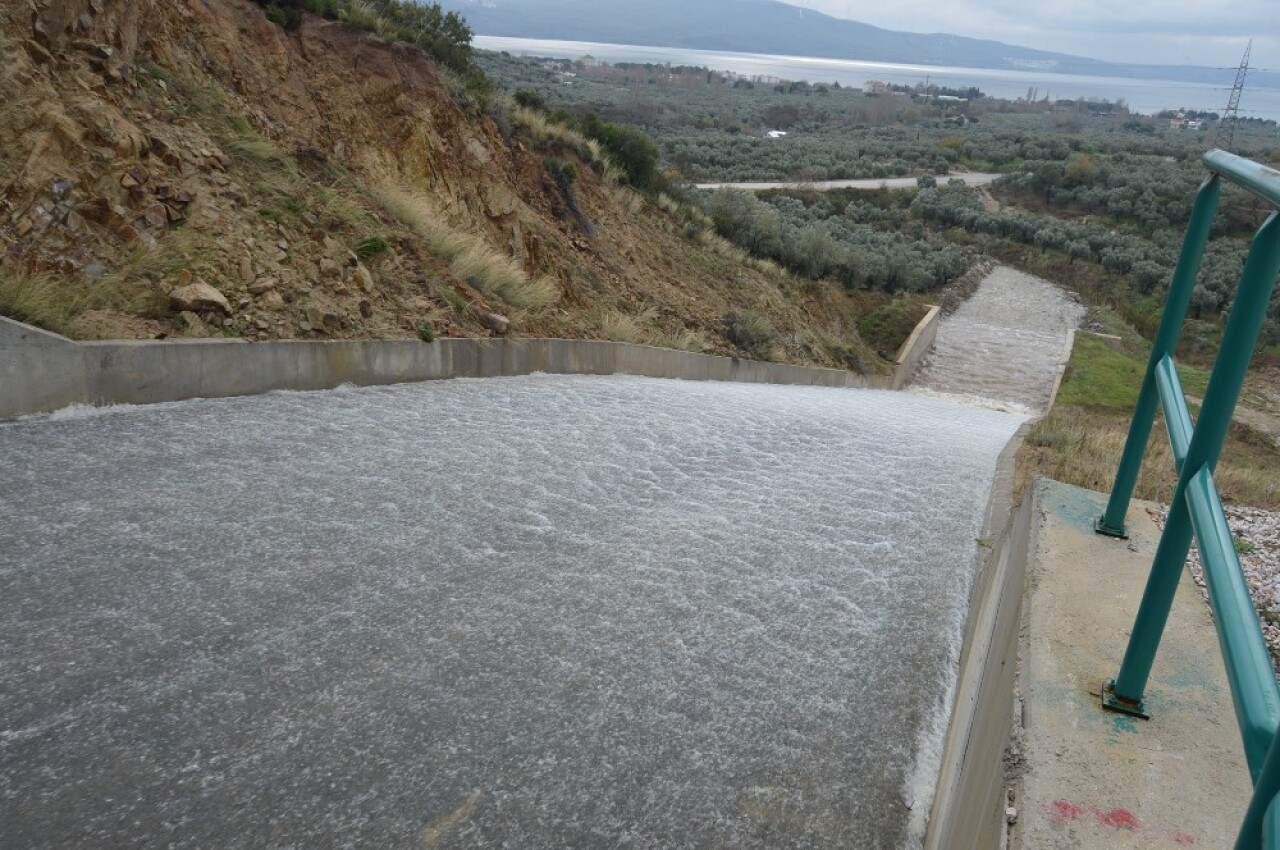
(1167, 32)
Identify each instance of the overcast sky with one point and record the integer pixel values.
(1162, 32)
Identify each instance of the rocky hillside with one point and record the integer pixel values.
(188, 167)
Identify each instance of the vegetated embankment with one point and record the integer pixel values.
(197, 170)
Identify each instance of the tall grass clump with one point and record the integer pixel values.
(751, 332)
(470, 258)
(547, 133)
(43, 300)
(621, 326)
(56, 302)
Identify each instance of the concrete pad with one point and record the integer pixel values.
(1093, 778)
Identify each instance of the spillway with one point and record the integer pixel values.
(1007, 344)
(532, 612)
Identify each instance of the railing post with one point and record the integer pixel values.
(1205, 208)
(1271, 827)
(1261, 805)
(1248, 311)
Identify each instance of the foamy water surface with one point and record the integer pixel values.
(531, 612)
(1005, 346)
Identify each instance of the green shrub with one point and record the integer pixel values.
(630, 148)
(444, 36)
(289, 18)
(371, 247)
(530, 99)
(563, 172)
(887, 327)
(426, 333)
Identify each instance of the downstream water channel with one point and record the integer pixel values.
(1005, 346)
(527, 612)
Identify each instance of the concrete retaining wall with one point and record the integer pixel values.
(916, 347)
(969, 799)
(1062, 373)
(40, 372)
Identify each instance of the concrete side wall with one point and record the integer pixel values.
(1062, 373)
(40, 372)
(969, 802)
(916, 347)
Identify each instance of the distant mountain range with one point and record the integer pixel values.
(767, 26)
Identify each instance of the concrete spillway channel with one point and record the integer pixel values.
(546, 611)
(549, 611)
(1006, 345)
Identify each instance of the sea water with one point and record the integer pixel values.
(1147, 96)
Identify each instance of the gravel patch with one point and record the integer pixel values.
(1257, 534)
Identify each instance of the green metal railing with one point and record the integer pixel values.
(1196, 508)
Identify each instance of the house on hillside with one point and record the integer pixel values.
(1182, 122)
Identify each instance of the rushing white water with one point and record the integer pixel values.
(528, 612)
(1005, 346)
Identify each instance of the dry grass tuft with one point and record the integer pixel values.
(470, 258)
(687, 339)
(620, 326)
(628, 199)
(667, 204)
(56, 302)
(485, 269)
(43, 300)
(544, 131)
(537, 294)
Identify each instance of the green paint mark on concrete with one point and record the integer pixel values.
(1192, 678)
(1075, 506)
(1124, 723)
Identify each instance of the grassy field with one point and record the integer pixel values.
(1081, 439)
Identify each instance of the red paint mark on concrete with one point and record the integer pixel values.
(1119, 819)
(1065, 810)
(1184, 839)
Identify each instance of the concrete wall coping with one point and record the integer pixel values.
(904, 351)
(13, 332)
(916, 346)
(1066, 361)
(968, 803)
(138, 343)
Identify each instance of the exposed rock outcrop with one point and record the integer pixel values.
(199, 298)
(147, 145)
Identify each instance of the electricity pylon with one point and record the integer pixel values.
(1227, 125)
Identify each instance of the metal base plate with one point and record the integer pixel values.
(1100, 526)
(1112, 702)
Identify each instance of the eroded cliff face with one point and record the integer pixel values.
(325, 183)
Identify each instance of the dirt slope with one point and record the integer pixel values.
(149, 147)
